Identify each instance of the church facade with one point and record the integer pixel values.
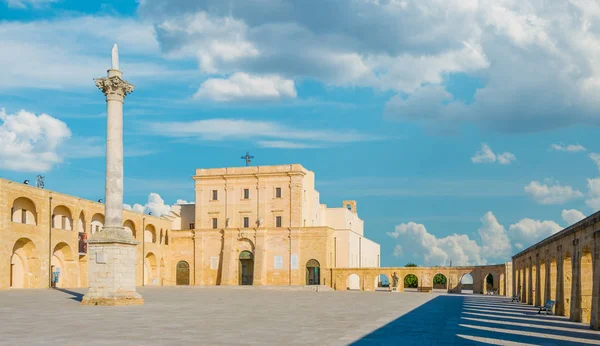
(248, 226)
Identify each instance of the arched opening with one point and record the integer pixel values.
(552, 279)
(411, 282)
(64, 269)
(313, 272)
(440, 282)
(466, 284)
(167, 237)
(353, 282)
(24, 211)
(162, 271)
(586, 276)
(24, 265)
(97, 223)
(61, 218)
(488, 287)
(129, 227)
(382, 283)
(542, 294)
(149, 234)
(246, 268)
(182, 276)
(150, 269)
(567, 282)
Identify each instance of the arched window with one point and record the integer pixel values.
(61, 218)
(97, 223)
(24, 211)
(150, 234)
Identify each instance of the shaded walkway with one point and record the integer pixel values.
(462, 319)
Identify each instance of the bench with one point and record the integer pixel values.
(547, 307)
(516, 298)
(424, 289)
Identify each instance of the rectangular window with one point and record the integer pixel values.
(215, 223)
(278, 221)
(215, 195)
(23, 216)
(246, 222)
(192, 225)
(246, 193)
(277, 192)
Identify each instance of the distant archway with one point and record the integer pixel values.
(411, 282)
(64, 266)
(150, 269)
(97, 223)
(24, 211)
(149, 234)
(466, 284)
(382, 283)
(353, 282)
(61, 218)
(313, 272)
(182, 276)
(129, 227)
(489, 284)
(440, 282)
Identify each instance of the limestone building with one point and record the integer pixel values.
(249, 225)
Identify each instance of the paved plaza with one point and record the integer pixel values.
(258, 316)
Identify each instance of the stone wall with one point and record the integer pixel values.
(563, 268)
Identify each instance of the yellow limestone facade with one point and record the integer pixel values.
(43, 231)
(265, 226)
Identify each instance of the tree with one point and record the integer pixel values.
(439, 279)
(411, 264)
(411, 281)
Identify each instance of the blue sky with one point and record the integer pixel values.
(465, 131)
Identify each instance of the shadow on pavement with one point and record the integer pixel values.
(75, 295)
(481, 320)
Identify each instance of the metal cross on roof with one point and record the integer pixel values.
(248, 158)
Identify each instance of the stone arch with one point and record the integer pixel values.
(81, 223)
(246, 268)
(129, 227)
(24, 211)
(25, 265)
(382, 282)
(440, 282)
(150, 269)
(62, 218)
(586, 277)
(313, 272)
(552, 279)
(466, 283)
(150, 234)
(411, 281)
(567, 268)
(353, 282)
(488, 283)
(63, 262)
(97, 223)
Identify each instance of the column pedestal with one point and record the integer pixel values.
(112, 262)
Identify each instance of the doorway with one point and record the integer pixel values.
(313, 272)
(183, 274)
(246, 268)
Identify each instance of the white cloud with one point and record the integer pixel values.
(30, 142)
(155, 205)
(286, 145)
(29, 3)
(265, 133)
(494, 240)
(554, 193)
(183, 201)
(528, 232)
(486, 155)
(596, 158)
(568, 147)
(244, 87)
(572, 216)
(593, 200)
(457, 248)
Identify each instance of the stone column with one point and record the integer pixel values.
(530, 288)
(595, 318)
(537, 289)
(560, 285)
(112, 251)
(576, 283)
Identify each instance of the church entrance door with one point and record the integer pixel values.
(246, 268)
(313, 273)
(183, 273)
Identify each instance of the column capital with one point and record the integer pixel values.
(114, 87)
